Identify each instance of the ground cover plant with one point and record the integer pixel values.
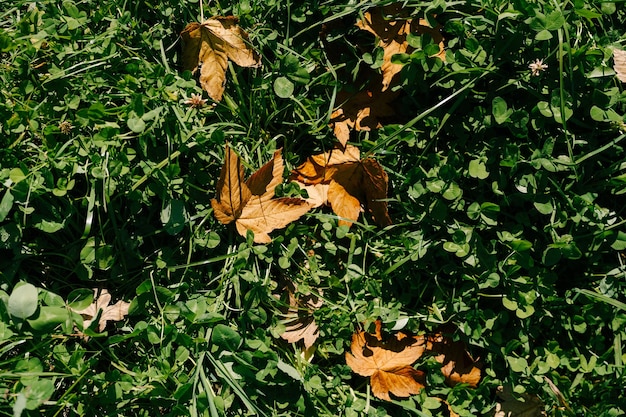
(457, 171)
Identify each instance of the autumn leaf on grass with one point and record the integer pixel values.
(457, 364)
(392, 34)
(210, 45)
(251, 203)
(521, 405)
(298, 319)
(342, 180)
(363, 110)
(366, 109)
(101, 306)
(619, 64)
(388, 363)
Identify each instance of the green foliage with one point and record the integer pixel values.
(507, 193)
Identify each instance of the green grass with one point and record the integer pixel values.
(506, 191)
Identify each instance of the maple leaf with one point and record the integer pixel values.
(619, 64)
(299, 321)
(392, 34)
(363, 110)
(342, 180)
(523, 405)
(388, 362)
(457, 365)
(210, 45)
(113, 312)
(366, 109)
(251, 203)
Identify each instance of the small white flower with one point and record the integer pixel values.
(537, 66)
(195, 101)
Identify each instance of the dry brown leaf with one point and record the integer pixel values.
(392, 32)
(210, 45)
(619, 64)
(388, 362)
(523, 405)
(299, 321)
(362, 111)
(251, 204)
(351, 183)
(367, 109)
(115, 312)
(457, 365)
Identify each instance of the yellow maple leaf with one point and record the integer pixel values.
(251, 204)
(351, 183)
(210, 45)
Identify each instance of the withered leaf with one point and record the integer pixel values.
(457, 365)
(210, 45)
(524, 405)
(115, 312)
(251, 204)
(298, 319)
(351, 183)
(367, 109)
(362, 111)
(619, 64)
(392, 32)
(388, 362)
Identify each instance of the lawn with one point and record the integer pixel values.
(303, 208)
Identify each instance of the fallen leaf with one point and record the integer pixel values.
(392, 32)
(351, 183)
(362, 111)
(210, 45)
(619, 64)
(115, 312)
(457, 364)
(251, 204)
(298, 319)
(523, 405)
(388, 362)
(366, 109)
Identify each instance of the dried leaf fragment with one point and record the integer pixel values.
(458, 366)
(342, 180)
(619, 64)
(210, 45)
(251, 203)
(388, 363)
(299, 321)
(115, 312)
(363, 110)
(524, 406)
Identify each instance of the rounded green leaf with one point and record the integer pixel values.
(225, 337)
(49, 317)
(39, 392)
(136, 125)
(283, 87)
(517, 364)
(5, 204)
(23, 301)
(16, 175)
(477, 169)
(80, 299)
